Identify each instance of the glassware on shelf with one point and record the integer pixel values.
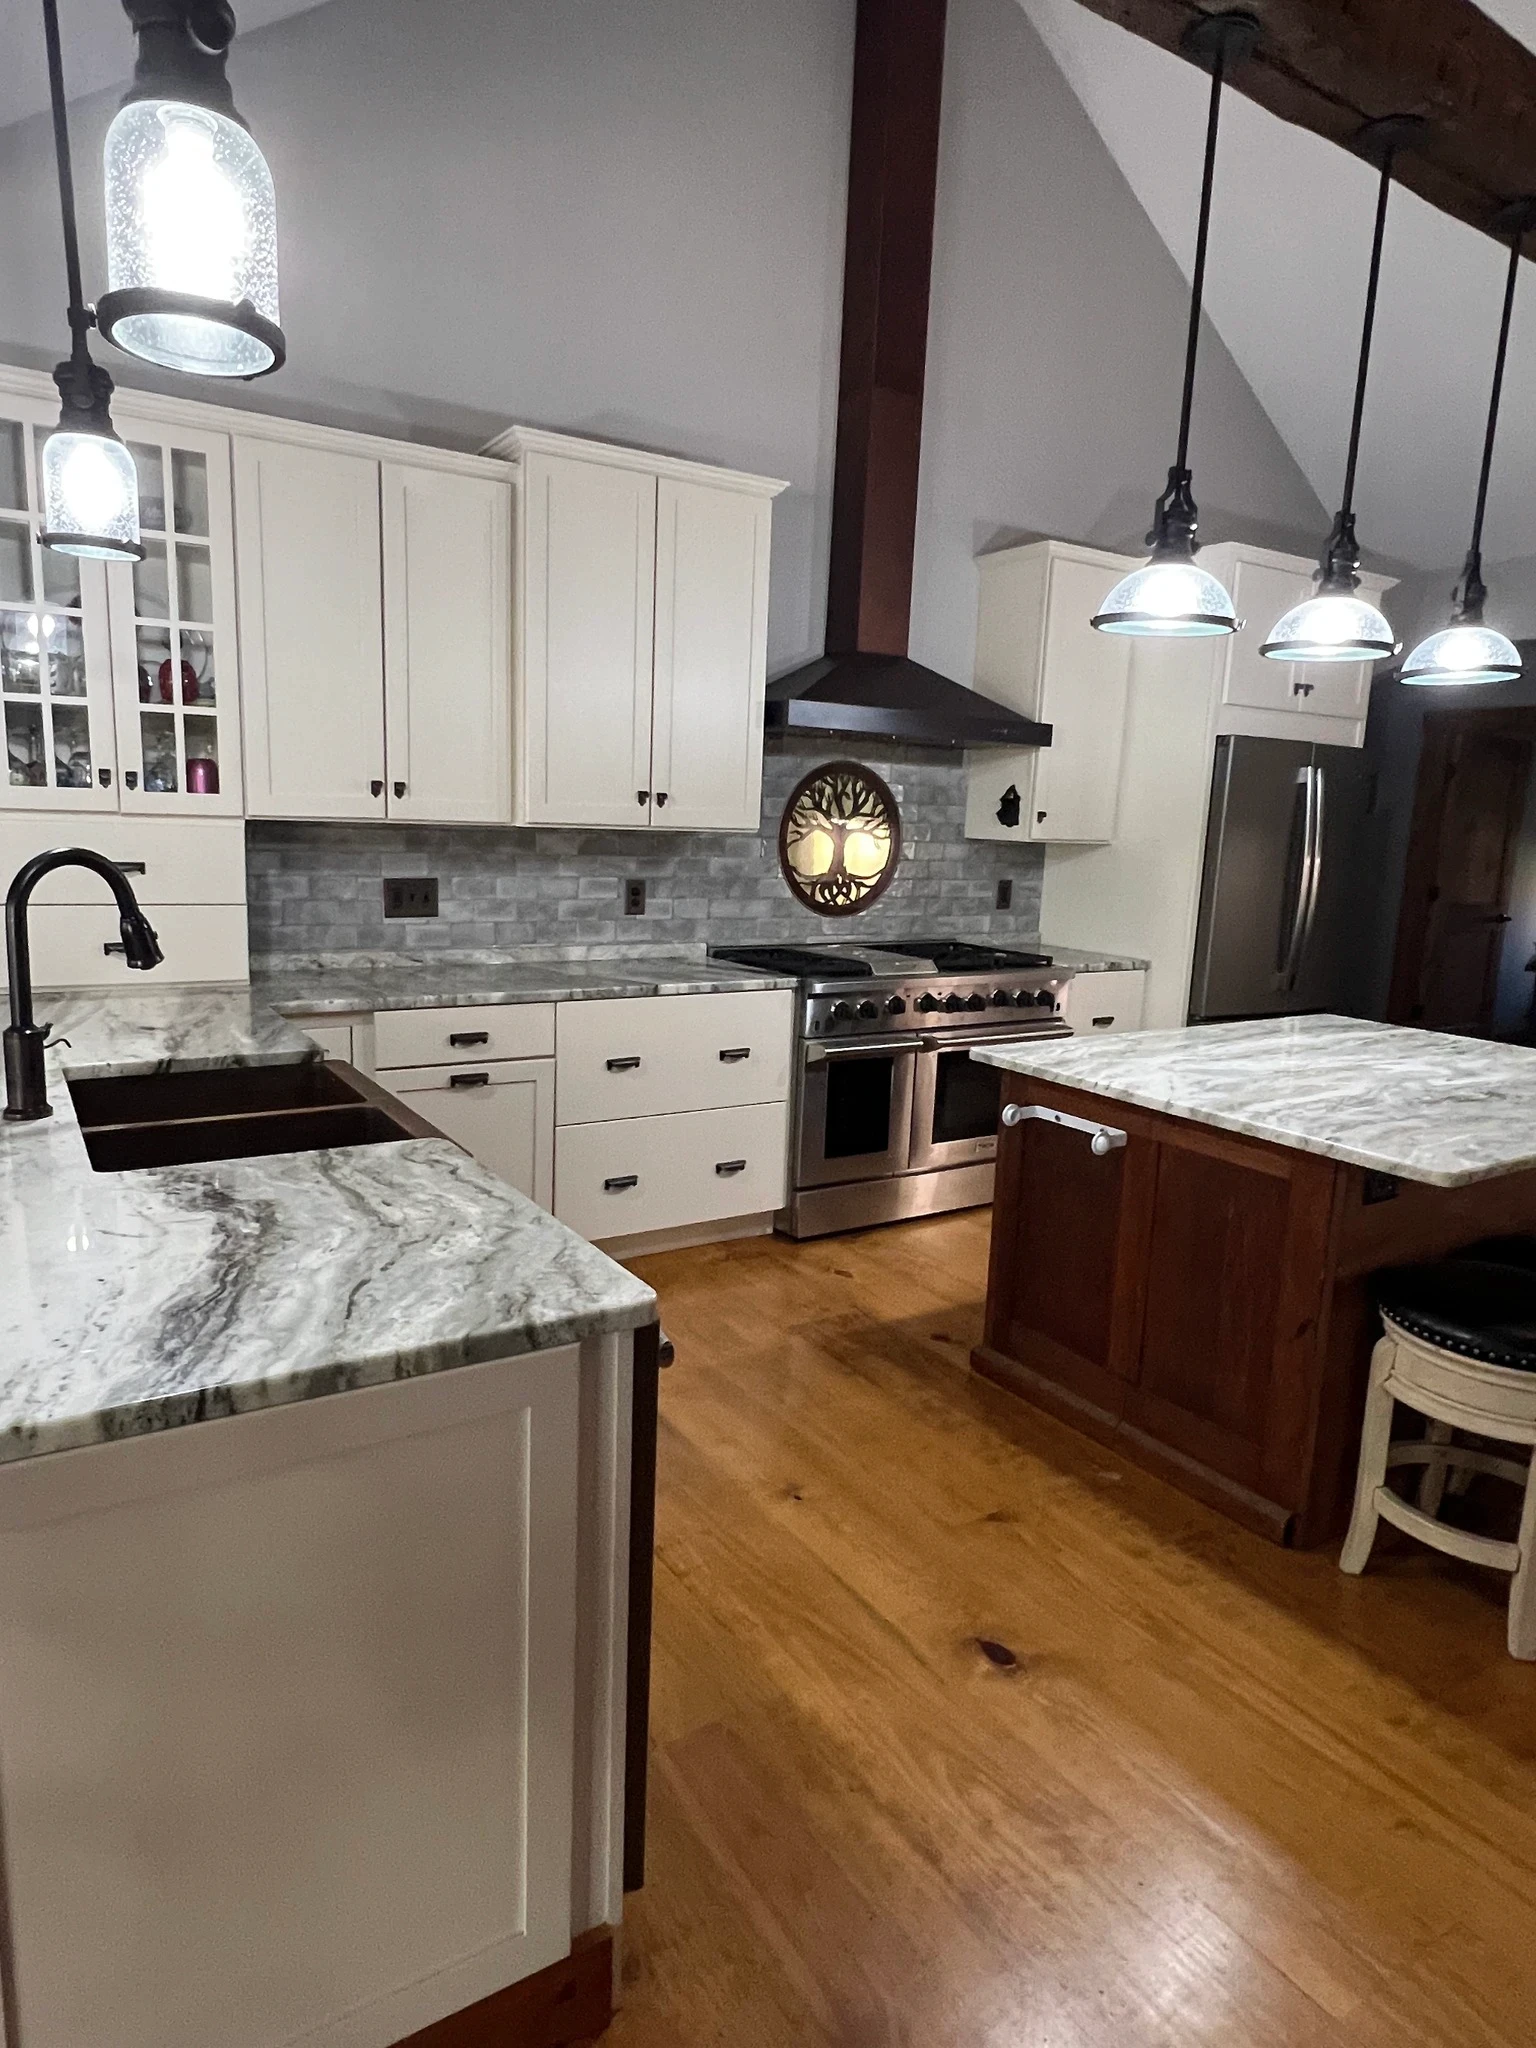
(21, 657)
(157, 740)
(65, 648)
(24, 746)
(71, 747)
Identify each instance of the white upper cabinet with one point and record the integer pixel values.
(447, 645)
(711, 638)
(1320, 700)
(587, 589)
(311, 630)
(640, 637)
(174, 647)
(1037, 653)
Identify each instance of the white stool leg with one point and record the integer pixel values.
(1522, 1593)
(1375, 1442)
(1432, 1479)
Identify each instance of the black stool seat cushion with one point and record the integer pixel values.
(1479, 1304)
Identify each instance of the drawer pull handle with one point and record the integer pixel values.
(114, 946)
(376, 787)
(623, 1066)
(1102, 1023)
(735, 1052)
(619, 1181)
(644, 795)
(469, 1080)
(727, 1166)
(469, 1038)
(133, 867)
(399, 789)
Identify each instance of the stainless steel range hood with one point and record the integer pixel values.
(892, 697)
(866, 686)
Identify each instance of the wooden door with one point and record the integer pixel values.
(175, 652)
(1467, 813)
(311, 630)
(55, 658)
(1084, 679)
(712, 547)
(585, 635)
(447, 645)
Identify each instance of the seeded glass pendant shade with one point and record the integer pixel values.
(90, 490)
(1467, 651)
(1171, 597)
(191, 211)
(1337, 623)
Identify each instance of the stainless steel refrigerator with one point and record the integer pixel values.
(1279, 918)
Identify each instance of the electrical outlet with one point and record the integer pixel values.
(634, 899)
(410, 896)
(1005, 895)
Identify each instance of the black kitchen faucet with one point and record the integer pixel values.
(26, 1091)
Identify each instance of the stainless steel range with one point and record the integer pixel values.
(891, 1116)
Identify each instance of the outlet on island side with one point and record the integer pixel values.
(634, 899)
(410, 895)
(1005, 895)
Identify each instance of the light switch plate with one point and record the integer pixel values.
(410, 896)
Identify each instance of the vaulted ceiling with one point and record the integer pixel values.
(1290, 238)
(98, 47)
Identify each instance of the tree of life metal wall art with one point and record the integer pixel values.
(839, 838)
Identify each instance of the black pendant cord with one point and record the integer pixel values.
(80, 321)
(1474, 592)
(1202, 240)
(1347, 505)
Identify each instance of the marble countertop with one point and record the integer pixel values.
(1419, 1104)
(1093, 959)
(132, 1302)
(343, 983)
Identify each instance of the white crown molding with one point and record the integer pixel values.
(515, 442)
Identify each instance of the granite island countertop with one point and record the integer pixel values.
(1421, 1105)
(133, 1302)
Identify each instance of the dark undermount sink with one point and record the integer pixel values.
(131, 1121)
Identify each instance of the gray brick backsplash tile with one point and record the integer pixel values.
(318, 888)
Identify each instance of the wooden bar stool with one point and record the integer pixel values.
(1460, 1350)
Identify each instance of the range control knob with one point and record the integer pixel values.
(1001, 1000)
(842, 1013)
(1045, 999)
(896, 1007)
(927, 1001)
(869, 1011)
(954, 1001)
(976, 1002)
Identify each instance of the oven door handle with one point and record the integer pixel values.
(967, 1041)
(815, 1054)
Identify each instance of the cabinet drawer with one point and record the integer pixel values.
(652, 1055)
(486, 1031)
(202, 942)
(191, 860)
(502, 1113)
(1099, 1004)
(662, 1172)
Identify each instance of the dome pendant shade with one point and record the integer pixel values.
(90, 496)
(191, 211)
(1167, 599)
(1336, 625)
(1460, 654)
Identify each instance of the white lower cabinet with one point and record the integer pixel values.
(656, 1173)
(334, 1040)
(502, 1113)
(1097, 1005)
(644, 1055)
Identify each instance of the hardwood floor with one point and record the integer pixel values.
(1201, 1790)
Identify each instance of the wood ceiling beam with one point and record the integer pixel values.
(1330, 65)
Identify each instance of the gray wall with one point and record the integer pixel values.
(317, 888)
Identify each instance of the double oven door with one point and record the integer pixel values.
(889, 1106)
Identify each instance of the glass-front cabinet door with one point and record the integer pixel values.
(55, 663)
(173, 630)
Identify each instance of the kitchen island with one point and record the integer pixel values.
(314, 1579)
(1196, 1288)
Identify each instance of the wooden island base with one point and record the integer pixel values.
(1202, 1300)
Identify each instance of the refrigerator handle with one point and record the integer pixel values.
(1290, 962)
(1314, 865)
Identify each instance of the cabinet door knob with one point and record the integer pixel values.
(131, 778)
(643, 795)
(617, 1182)
(376, 788)
(104, 777)
(661, 798)
(399, 789)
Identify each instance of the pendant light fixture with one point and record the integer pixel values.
(90, 489)
(1336, 623)
(1467, 651)
(1172, 597)
(191, 213)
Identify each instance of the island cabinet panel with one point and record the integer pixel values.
(289, 1715)
(1169, 1296)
